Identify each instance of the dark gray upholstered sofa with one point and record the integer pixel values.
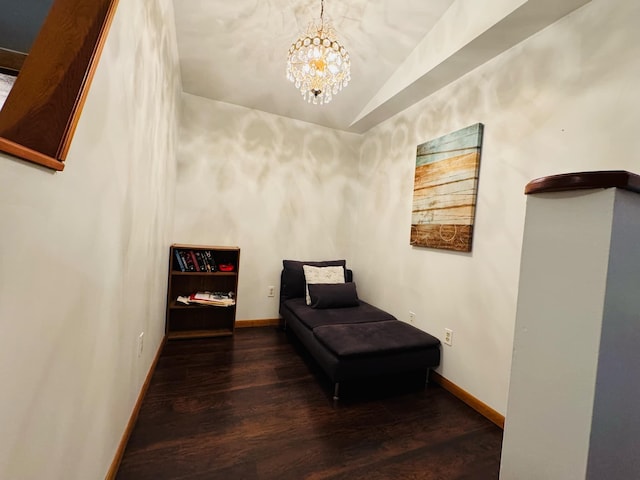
(350, 339)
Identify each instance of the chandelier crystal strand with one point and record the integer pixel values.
(318, 64)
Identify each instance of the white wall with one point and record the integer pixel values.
(275, 187)
(564, 100)
(615, 426)
(574, 388)
(83, 252)
(83, 258)
(565, 259)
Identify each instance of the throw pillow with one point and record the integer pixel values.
(292, 284)
(333, 295)
(322, 275)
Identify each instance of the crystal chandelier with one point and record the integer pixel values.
(317, 63)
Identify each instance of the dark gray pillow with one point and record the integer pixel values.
(333, 295)
(292, 284)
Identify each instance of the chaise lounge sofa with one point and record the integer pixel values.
(350, 339)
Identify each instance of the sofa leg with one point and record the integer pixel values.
(426, 378)
(336, 390)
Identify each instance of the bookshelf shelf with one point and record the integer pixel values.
(215, 274)
(176, 305)
(200, 334)
(196, 320)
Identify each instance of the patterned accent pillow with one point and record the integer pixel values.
(321, 275)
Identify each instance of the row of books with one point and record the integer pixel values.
(195, 260)
(216, 299)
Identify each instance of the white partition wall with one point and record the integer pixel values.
(573, 411)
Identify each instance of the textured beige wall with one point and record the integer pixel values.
(83, 252)
(275, 187)
(564, 100)
(83, 257)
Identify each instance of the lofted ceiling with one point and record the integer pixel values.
(235, 51)
(401, 50)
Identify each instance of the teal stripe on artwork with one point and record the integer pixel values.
(438, 156)
(450, 145)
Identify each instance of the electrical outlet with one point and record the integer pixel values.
(448, 336)
(272, 291)
(412, 317)
(140, 343)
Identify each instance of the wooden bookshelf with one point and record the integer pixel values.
(194, 320)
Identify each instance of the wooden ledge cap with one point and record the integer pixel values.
(583, 180)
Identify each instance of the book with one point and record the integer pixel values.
(205, 260)
(188, 262)
(201, 262)
(194, 260)
(183, 299)
(211, 261)
(179, 261)
(218, 299)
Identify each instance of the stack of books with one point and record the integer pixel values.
(216, 299)
(195, 261)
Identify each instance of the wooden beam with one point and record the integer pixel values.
(44, 105)
(25, 153)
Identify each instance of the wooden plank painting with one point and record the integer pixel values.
(445, 188)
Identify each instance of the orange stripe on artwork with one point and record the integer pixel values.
(447, 171)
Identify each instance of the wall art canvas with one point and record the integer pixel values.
(445, 189)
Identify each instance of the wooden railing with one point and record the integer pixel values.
(42, 110)
(584, 180)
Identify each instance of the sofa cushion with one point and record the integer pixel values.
(333, 295)
(313, 317)
(315, 275)
(377, 338)
(292, 284)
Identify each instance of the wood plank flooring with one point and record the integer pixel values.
(254, 406)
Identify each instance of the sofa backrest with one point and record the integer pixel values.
(292, 283)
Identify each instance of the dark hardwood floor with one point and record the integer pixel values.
(254, 406)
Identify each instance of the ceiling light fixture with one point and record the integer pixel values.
(317, 63)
